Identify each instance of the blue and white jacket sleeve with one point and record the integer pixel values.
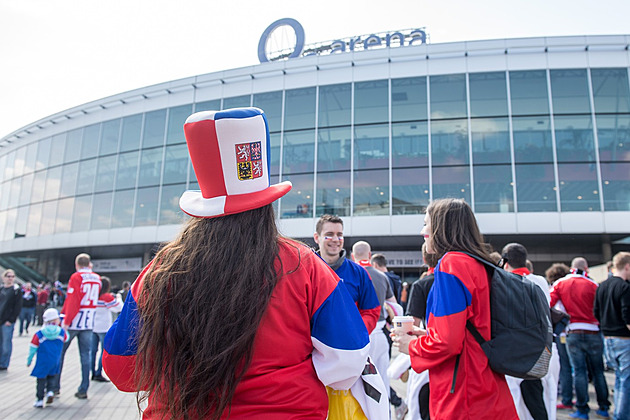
(340, 339)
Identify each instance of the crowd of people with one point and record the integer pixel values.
(283, 331)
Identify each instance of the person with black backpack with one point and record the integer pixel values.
(463, 385)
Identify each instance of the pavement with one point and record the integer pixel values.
(17, 391)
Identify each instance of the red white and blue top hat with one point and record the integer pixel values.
(229, 150)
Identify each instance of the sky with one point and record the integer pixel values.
(58, 54)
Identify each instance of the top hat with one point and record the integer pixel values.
(229, 150)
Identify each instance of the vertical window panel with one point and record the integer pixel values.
(154, 127)
(39, 185)
(451, 182)
(110, 135)
(299, 152)
(57, 149)
(26, 189)
(298, 203)
(410, 190)
(176, 164)
(122, 210)
(30, 158)
(20, 156)
(299, 109)
(490, 140)
(535, 188)
(532, 139)
(528, 92)
(131, 132)
(371, 102)
(488, 94)
(146, 207)
(3, 222)
(610, 90)
(371, 193)
(493, 189)
(49, 214)
(73, 145)
(569, 92)
(63, 221)
(271, 103)
(371, 147)
(333, 148)
(150, 167)
(574, 139)
(616, 186)
(237, 102)
(274, 154)
(34, 220)
(21, 221)
(176, 119)
(613, 136)
(81, 213)
(409, 99)
(43, 154)
(105, 174)
(14, 193)
(127, 170)
(53, 184)
(213, 105)
(449, 142)
(448, 96)
(69, 176)
(89, 146)
(85, 180)
(10, 166)
(333, 193)
(170, 213)
(578, 187)
(9, 227)
(335, 105)
(4, 195)
(101, 212)
(410, 144)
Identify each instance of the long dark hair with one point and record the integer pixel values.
(454, 228)
(200, 307)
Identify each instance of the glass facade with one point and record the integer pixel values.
(506, 141)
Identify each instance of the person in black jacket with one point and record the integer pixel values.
(29, 300)
(10, 307)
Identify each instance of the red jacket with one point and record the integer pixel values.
(577, 294)
(460, 292)
(84, 288)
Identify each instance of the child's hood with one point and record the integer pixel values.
(51, 331)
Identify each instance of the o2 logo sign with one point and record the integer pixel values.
(285, 38)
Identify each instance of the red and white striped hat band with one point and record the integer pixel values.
(230, 155)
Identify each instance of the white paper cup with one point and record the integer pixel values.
(403, 324)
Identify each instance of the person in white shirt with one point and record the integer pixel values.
(107, 305)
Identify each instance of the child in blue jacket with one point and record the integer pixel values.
(48, 344)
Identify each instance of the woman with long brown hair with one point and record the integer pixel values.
(231, 319)
(462, 384)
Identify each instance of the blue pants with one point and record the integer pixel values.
(588, 349)
(96, 338)
(566, 376)
(618, 358)
(85, 341)
(6, 337)
(27, 316)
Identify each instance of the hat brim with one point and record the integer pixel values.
(194, 204)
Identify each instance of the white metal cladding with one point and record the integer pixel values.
(579, 52)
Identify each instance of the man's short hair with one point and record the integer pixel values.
(556, 271)
(515, 254)
(620, 260)
(579, 263)
(361, 250)
(82, 260)
(379, 259)
(327, 218)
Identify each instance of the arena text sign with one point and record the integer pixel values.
(357, 43)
